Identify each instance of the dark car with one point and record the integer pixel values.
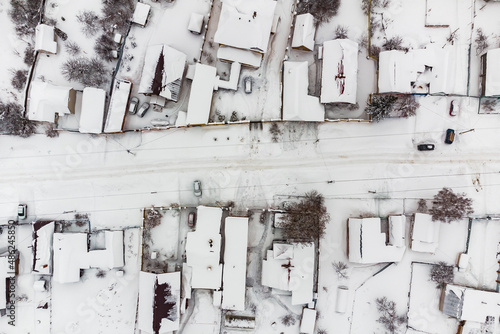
(454, 108)
(191, 219)
(450, 136)
(425, 147)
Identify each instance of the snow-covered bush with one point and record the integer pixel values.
(394, 43)
(442, 274)
(19, 78)
(422, 206)
(388, 316)
(72, 48)
(13, 122)
(306, 220)
(152, 218)
(89, 72)
(288, 320)
(406, 106)
(481, 41)
(90, 22)
(380, 106)
(340, 32)
(26, 15)
(341, 269)
(51, 132)
(116, 14)
(448, 206)
(322, 10)
(104, 46)
(29, 55)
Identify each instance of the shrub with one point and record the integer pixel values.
(394, 43)
(388, 316)
(306, 220)
(340, 32)
(422, 206)
(13, 122)
(288, 320)
(341, 269)
(323, 10)
(442, 274)
(25, 14)
(51, 132)
(152, 218)
(29, 55)
(89, 20)
(380, 106)
(448, 206)
(89, 72)
(19, 79)
(406, 106)
(72, 48)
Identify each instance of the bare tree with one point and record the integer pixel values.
(323, 10)
(442, 274)
(89, 72)
(306, 220)
(422, 206)
(341, 32)
(19, 79)
(89, 20)
(152, 218)
(394, 43)
(341, 269)
(406, 106)
(288, 320)
(25, 14)
(448, 206)
(380, 106)
(13, 122)
(72, 48)
(388, 315)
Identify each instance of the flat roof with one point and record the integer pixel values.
(235, 263)
(92, 114)
(44, 39)
(425, 234)
(200, 98)
(339, 77)
(118, 105)
(70, 255)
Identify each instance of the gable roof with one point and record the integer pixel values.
(46, 100)
(45, 39)
(303, 32)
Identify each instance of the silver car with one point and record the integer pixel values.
(22, 211)
(197, 188)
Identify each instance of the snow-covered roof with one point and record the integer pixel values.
(112, 256)
(45, 39)
(70, 255)
(118, 106)
(492, 73)
(295, 275)
(141, 14)
(46, 100)
(282, 251)
(159, 300)
(425, 234)
(297, 104)
(397, 233)
(304, 31)
(246, 57)
(200, 98)
(92, 114)
(279, 219)
(245, 24)
(43, 233)
(196, 23)
(163, 72)
(432, 70)
(235, 263)
(339, 78)
(308, 321)
(203, 249)
(367, 244)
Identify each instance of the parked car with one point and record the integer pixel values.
(132, 107)
(454, 108)
(248, 85)
(143, 109)
(450, 136)
(425, 147)
(197, 188)
(22, 211)
(191, 219)
(159, 122)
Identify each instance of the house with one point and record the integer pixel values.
(203, 249)
(159, 300)
(70, 256)
(490, 73)
(43, 233)
(141, 14)
(92, 113)
(440, 71)
(297, 104)
(163, 72)
(339, 77)
(477, 308)
(235, 263)
(200, 98)
(45, 39)
(46, 102)
(120, 95)
(425, 234)
(293, 274)
(368, 244)
(303, 33)
(246, 25)
(110, 257)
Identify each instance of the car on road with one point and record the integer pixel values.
(454, 108)
(132, 107)
(22, 211)
(248, 85)
(197, 188)
(425, 147)
(450, 136)
(143, 109)
(191, 219)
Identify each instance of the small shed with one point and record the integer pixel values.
(196, 23)
(118, 106)
(303, 33)
(490, 73)
(92, 114)
(425, 234)
(70, 255)
(200, 98)
(45, 39)
(141, 14)
(308, 321)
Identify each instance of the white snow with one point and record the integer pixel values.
(297, 104)
(230, 54)
(425, 234)
(308, 321)
(397, 233)
(45, 39)
(42, 249)
(339, 77)
(235, 263)
(246, 24)
(46, 100)
(492, 73)
(92, 114)
(200, 98)
(141, 13)
(117, 106)
(70, 255)
(110, 257)
(304, 31)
